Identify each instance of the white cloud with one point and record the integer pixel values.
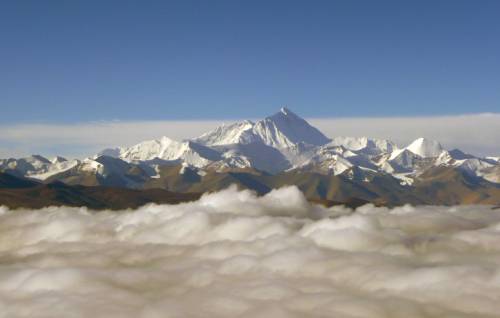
(475, 133)
(232, 254)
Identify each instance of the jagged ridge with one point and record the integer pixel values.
(278, 144)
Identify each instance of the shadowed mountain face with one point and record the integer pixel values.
(442, 185)
(8, 181)
(17, 192)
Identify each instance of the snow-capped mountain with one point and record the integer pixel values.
(265, 145)
(425, 148)
(281, 130)
(366, 145)
(237, 133)
(279, 143)
(36, 166)
(285, 129)
(166, 150)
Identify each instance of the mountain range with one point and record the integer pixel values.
(279, 150)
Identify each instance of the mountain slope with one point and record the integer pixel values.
(425, 148)
(281, 130)
(167, 150)
(105, 171)
(19, 193)
(237, 133)
(285, 129)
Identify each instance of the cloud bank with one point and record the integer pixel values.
(86, 139)
(232, 254)
(475, 133)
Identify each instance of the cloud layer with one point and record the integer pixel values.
(475, 133)
(232, 254)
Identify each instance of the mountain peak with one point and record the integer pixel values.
(425, 148)
(285, 110)
(58, 159)
(285, 113)
(285, 129)
(39, 158)
(166, 140)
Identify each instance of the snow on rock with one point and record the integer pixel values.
(477, 167)
(256, 155)
(425, 148)
(184, 166)
(237, 133)
(58, 159)
(444, 159)
(281, 130)
(495, 159)
(285, 129)
(404, 159)
(367, 145)
(90, 165)
(338, 165)
(170, 150)
(36, 166)
(56, 167)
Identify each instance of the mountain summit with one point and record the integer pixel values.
(282, 130)
(425, 148)
(285, 129)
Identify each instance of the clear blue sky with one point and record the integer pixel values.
(73, 61)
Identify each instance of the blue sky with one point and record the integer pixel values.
(79, 61)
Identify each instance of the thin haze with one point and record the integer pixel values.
(232, 254)
(476, 134)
